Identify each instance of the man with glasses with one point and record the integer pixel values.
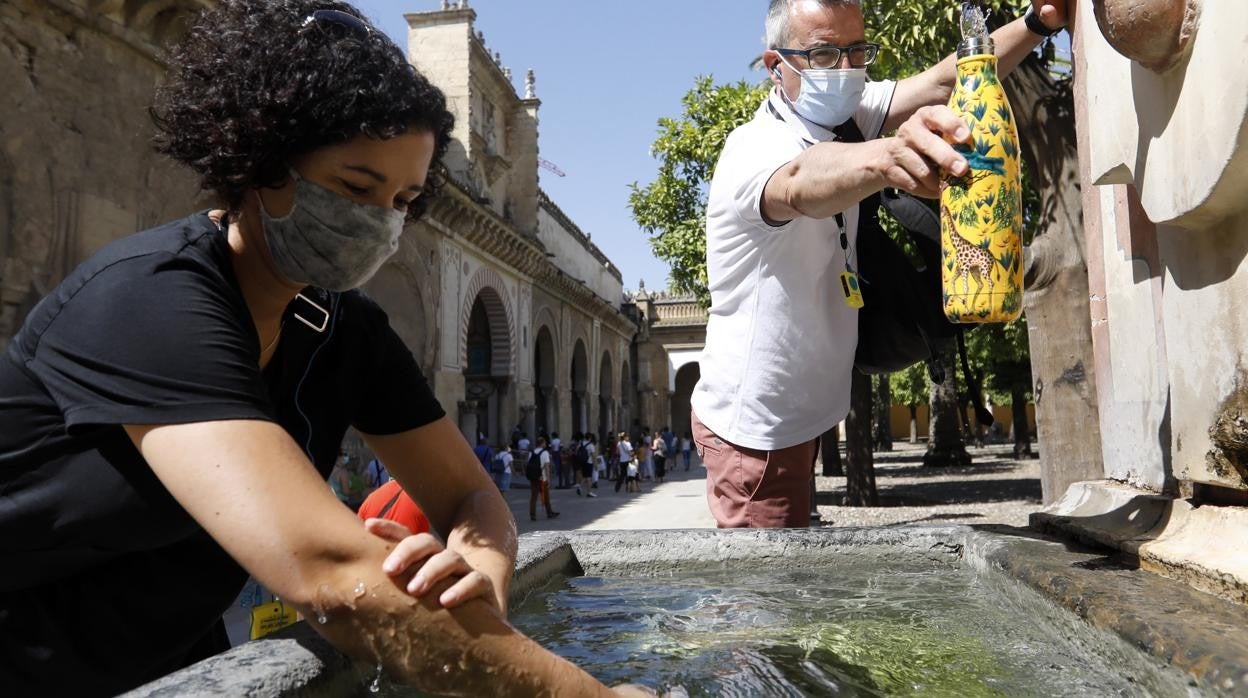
(781, 229)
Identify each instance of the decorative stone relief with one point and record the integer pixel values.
(1176, 136)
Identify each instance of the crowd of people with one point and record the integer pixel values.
(544, 464)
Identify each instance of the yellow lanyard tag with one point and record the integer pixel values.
(853, 295)
(270, 617)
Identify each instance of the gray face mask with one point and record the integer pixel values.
(329, 241)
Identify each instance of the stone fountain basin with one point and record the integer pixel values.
(1103, 602)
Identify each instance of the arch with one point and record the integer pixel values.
(606, 377)
(545, 359)
(606, 403)
(396, 291)
(579, 380)
(488, 286)
(627, 392)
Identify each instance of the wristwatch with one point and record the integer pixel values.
(1032, 20)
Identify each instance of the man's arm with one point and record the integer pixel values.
(828, 178)
(435, 465)
(935, 85)
(254, 491)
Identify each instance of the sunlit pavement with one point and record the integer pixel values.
(680, 502)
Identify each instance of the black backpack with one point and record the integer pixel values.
(533, 469)
(903, 320)
(582, 454)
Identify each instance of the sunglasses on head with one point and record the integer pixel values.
(340, 18)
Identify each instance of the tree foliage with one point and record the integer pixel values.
(672, 208)
(910, 387)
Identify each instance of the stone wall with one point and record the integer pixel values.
(1167, 150)
(77, 169)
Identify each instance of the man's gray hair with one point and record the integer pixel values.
(778, 18)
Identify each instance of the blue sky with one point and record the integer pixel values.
(606, 73)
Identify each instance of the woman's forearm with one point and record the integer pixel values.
(484, 534)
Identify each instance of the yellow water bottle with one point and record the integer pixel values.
(981, 214)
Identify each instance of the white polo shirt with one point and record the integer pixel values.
(780, 340)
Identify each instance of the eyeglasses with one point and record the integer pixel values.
(823, 57)
(342, 19)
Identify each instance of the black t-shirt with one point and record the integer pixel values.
(105, 581)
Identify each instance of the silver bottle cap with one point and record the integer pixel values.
(976, 47)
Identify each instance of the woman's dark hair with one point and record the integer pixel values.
(255, 85)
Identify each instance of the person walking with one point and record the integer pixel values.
(686, 449)
(538, 472)
(585, 457)
(625, 456)
(781, 234)
(504, 460)
(659, 449)
(555, 446)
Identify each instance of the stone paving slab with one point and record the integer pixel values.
(680, 502)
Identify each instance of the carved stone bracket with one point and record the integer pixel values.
(1157, 34)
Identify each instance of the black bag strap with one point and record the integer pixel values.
(382, 514)
(974, 390)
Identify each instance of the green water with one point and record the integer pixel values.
(869, 628)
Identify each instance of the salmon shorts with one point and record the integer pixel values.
(748, 488)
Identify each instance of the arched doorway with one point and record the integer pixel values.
(627, 390)
(606, 398)
(401, 300)
(686, 378)
(580, 388)
(487, 368)
(545, 400)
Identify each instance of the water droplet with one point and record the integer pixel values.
(359, 590)
(322, 618)
(446, 668)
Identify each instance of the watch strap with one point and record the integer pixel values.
(1032, 20)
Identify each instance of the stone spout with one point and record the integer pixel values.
(1157, 34)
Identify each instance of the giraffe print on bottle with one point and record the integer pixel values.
(970, 260)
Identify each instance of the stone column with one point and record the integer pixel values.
(468, 421)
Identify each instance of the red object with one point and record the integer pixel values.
(402, 508)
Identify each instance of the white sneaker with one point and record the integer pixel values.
(593, 495)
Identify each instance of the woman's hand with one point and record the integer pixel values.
(433, 563)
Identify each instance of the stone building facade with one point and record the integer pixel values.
(668, 348)
(512, 311)
(77, 169)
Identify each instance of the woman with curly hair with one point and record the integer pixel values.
(169, 413)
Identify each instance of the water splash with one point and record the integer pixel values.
(974, 24)
(375, 686)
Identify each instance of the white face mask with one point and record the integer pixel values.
(829, 96)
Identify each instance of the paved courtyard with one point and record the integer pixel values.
(995, 489)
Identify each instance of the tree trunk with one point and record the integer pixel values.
(830, 447)
(914, 424)
(945, 446)
(1056, 301)
(1022, 434)
(883, 415)
(860, 469)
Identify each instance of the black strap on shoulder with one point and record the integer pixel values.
(382, 514)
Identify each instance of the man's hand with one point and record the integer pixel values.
(1053, 13)
(914, 159)
(433, 562)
